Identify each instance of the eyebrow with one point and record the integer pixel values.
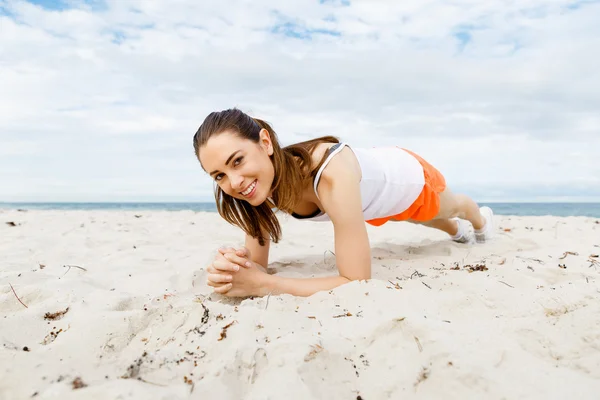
(226, 162)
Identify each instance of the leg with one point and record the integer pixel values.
(447, 225)
(463, 207)
(453, 227)
(460, 206)
(454, 210)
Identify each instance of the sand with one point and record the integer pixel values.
(503, 320)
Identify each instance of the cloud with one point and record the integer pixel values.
(100, 100)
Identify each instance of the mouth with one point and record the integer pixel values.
(250, 190)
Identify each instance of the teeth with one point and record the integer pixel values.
(250, 188)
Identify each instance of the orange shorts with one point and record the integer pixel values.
(427, 205)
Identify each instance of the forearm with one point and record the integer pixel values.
(301, 286)
(258, 254)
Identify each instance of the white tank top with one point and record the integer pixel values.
(392, 179)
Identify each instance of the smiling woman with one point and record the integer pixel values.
(244, 153)
(321, 180)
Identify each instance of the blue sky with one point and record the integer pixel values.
(101, 99)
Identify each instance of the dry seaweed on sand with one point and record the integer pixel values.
(56, 315)
(205, 316)
(224, 330)
(133, 371)
(424, 374)
(476, 267)
(315, 349)
(51, 337)
(78, 383)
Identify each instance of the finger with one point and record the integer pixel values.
(215, 284)
(243, 261)
(219, 267)
(225, 249)
(243, 252)
(225, 266)
(220, 256)
(223, 289)
(219, 278)
(211, 269)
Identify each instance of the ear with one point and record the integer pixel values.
(265, 141)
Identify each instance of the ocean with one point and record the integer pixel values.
(521, 209)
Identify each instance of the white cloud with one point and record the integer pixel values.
(101, 102)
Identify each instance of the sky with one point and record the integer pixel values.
(99, 100)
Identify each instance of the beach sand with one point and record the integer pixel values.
(502, 320)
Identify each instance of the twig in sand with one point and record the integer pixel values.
(566, 253)
(148, 382)
(343, 315)
(426, 284)
(13, 290)
(419, 344)
(507, 284)
(418, 274)
(73, 266)
(325, 252)
(268, 297)
(531, 259)
(396, 286)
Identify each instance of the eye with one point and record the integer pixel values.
(236, 162)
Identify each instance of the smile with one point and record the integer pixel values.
(250, 190)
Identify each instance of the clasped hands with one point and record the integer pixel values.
(232, 273)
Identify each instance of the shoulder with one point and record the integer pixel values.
(342, 173)
(319, 152)
(342, 167)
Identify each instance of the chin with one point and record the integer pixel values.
(256, 200)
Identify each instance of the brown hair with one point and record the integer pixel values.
(292, 165)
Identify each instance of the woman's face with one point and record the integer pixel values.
(239, 166)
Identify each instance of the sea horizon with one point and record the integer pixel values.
(524, 208)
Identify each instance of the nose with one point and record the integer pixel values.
(236, 182)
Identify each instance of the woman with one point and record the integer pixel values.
(321, 179)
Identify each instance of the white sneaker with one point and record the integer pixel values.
(465, 233)
(487, 232)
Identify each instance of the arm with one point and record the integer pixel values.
(339, 191)
(258, 254)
